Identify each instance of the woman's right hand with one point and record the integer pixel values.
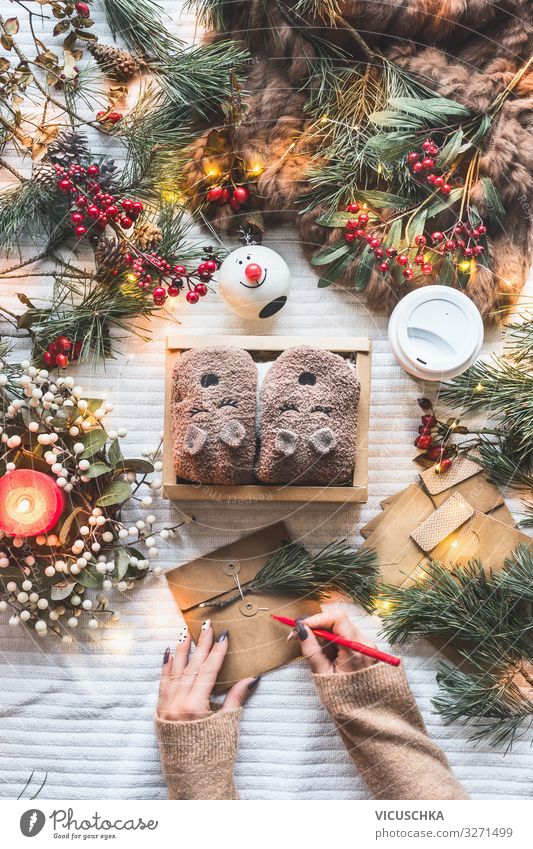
(332, 658)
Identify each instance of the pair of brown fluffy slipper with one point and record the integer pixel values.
(307, 424)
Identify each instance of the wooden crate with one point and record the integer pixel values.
(263, 349)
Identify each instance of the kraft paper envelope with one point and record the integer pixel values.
(257, 643)
(482, 494)
(401, 559)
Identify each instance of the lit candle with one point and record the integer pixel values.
(30, 503)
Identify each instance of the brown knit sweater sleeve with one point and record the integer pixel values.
(385, 735)
(198, 757)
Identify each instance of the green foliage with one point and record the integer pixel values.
(338, 567)
(488, 617)
(85, 311)
(26, 203)
(140, 23)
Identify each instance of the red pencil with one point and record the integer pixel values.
(351, 644)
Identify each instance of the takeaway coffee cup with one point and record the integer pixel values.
(436, 332)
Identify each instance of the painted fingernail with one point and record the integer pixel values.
(221, 637)
(253, 684)
(206, 624)
(301, 630)
(183, 634)
(166, 656)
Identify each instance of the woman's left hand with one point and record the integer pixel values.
(186, 685)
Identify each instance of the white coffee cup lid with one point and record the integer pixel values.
(436, 332)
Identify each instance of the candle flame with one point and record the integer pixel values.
(24, 505)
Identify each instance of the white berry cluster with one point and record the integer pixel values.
(55, 580)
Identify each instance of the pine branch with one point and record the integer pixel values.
(516, 578)
(489, 615)
(140, 23)
(499, 710)
(22, 205)
(85, 311)
(508, 462)
(519, 340)
(198, 79)
(338, 567)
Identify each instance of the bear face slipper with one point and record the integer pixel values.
(308, 425)
(213, 410)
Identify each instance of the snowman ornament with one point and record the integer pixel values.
(254, 281)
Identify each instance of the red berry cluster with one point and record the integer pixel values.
(428, 438)
(422, 166)
(356, 229)
(237, 197)
(61, 351)
(461, 238)
(93, 207)
(150, 268)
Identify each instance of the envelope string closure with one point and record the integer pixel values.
(233, 569)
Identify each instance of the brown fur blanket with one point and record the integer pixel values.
(467, 50)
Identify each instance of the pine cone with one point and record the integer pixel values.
(108, 253)
(68, 148)
(148, 236)
(44, 174)
(115, 63)
(106, 176)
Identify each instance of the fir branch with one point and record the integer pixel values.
(140, 23)
(338, 567)
(22, 205)
(516, 578)
(519, 339)
(501, 388)
(198, 79)
(458, 602)
(85, 312)
(489, 615)
(500, 711)
(507, 462)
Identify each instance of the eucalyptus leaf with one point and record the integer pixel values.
(61, 591)
(89, 578)
(331, 253)
(116, 492)
(65, 416)
(140, 467)
(114, 453)
(93, 441)
(122, 561)
(97, 469)
(94, 404)
(67, 524)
